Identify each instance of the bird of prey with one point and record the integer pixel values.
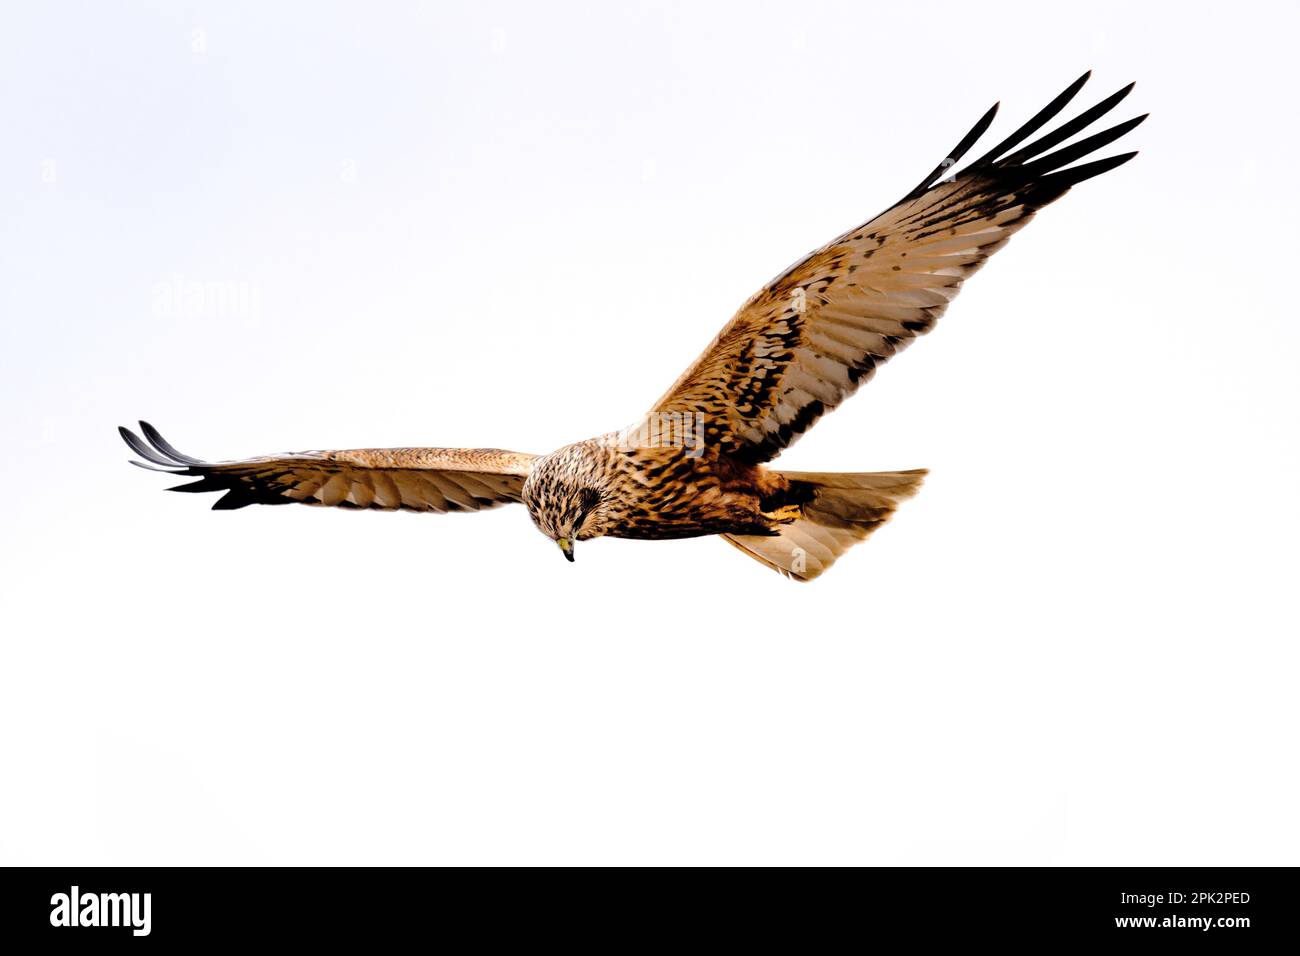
(694, 464)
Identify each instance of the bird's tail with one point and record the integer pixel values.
(844, 509)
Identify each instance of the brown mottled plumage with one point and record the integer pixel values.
(797, 349)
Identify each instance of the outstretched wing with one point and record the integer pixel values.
(383, 479)
(807, 340)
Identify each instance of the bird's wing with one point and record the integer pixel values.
(383, 479)
(808, 339)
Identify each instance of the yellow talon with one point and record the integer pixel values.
(785, 514)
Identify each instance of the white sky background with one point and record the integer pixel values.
(515, 225)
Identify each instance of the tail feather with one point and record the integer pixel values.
(845, 509)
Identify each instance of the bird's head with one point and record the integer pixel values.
(565, 500)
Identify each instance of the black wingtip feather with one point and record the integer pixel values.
(137, 445)
(1066, 130)
(1083, 147)
(956, 153)
(1037, 122)
(159, 452)
(1046, 177)
(1076, 174)
(161, 471)
(160, 443)
(205, 483)
(231, 501)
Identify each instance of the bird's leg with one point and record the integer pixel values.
(782, 501)
(784, 514)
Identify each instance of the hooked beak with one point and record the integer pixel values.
(566, 546)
